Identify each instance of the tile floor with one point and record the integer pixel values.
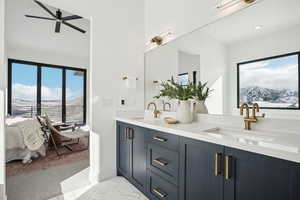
(117, 188)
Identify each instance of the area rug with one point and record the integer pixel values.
(51, 160)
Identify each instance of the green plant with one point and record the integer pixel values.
(173, 90)
(201, 91)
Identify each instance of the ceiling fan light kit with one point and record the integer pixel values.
(58, 18)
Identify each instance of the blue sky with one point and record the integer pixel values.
(282, 62)
(279, 73)
(24, 76)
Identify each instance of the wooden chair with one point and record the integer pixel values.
(49, 139)
(71, 132)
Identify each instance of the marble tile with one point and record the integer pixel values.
(117, 188)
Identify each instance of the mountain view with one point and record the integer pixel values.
(267, 97)
(272, 83)
(53, 108)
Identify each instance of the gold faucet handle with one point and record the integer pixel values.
(156, 113)
(262, 116)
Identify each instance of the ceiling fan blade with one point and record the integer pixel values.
(71, 17)
(57, 27)
(37, 17)
(74, 27)
(45, 8)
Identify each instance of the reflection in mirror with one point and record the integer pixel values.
(212, 54)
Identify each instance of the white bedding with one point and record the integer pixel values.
(15, 145)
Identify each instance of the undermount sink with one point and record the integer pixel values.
(238, 134)
(144, 119)
(251, 138)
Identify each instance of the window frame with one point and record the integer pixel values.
(263, 59)
(39, 85)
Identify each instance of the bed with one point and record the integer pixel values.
(24, 139)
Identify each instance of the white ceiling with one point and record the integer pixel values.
(23, 32)
(271, 15)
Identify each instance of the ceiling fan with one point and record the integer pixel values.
(58, 18)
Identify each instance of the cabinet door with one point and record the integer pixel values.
(201, 170)
(258, 177)
(123, 150)
(138, 157)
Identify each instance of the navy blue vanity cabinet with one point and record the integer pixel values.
(201, 170)
(169, 167)
(131, 154)
(250, 176)
(123, 150)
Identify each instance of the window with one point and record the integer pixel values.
(183, 79)
(23, 89)
(272, 82)
(51, 93)
(35, 88)
(74, 96)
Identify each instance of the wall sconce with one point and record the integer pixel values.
(160, 39)
(130, 82)
(126, 78)
(223, 4)
(157, 40)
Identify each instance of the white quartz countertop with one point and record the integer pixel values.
(278, 144)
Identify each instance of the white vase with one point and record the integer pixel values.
(200, 107)
(184, 114)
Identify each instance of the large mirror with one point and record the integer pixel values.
(251, 56)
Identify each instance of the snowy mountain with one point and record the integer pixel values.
(282, 97)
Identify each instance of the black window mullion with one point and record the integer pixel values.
(84, 98)
(64, 96)
(39, 90)
(39, 87)
(9, 82)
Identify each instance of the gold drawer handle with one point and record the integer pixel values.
(161, 195)
(228, 166)
(159, 139)
(160, 162)
(218, 164)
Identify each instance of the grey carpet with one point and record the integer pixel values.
(44, 184)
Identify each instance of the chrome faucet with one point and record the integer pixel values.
(155, 112)
(165, 104)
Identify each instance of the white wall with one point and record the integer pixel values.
(3, 79)
(117, 46)
(278, 43)
(48, 57)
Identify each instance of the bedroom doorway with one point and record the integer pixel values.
(47, 122)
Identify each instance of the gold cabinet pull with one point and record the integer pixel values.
(228, 166)
(130, 133)
(161, 163)
(126, 133)
(160, 194)
(218, 164)
(159, 139)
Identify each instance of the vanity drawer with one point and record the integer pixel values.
(160, 189)
(164, 162)
(164, 139)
